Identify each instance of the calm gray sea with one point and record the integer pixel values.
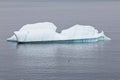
(93, 61)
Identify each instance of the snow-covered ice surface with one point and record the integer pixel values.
(46, 31)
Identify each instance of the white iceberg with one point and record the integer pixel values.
(46, 31)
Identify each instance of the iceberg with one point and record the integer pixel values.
(46, 31)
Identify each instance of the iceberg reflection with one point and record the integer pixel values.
(59, 57)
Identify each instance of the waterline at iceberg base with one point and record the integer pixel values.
(46, 32)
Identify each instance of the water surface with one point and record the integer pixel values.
(94, 61)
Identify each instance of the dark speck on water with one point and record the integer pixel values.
(92, 61)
